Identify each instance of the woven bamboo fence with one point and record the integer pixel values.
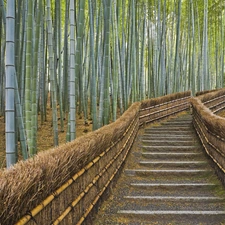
(210, 127)
(65, 184)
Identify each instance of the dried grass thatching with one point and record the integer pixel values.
(211, 130)
(205, 92)
(27, 183)
(160, 100)
(215, 124)
(211, 95)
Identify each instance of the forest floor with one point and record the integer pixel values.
(45, 134)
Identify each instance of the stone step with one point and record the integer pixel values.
(167, 172)
(183, 199)
(181, 217)
(176, 126)
(166, 136)
(174, 132)
(139, 188)
(175, 122)
(174, 164)
(173, 177)
(165, 219)
(168, 142)
(174, 187)
(174, 212)
(168, 129)
(170, 204)
(173, 155)
(181, 119)
(171, 142)
(165, 148)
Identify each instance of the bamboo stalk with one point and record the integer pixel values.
(10, 128)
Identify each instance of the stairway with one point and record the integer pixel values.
(167, 179)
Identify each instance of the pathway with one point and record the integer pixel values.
(167, 179)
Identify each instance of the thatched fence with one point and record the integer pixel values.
(210, 127)
(215, 100)
(64, 184)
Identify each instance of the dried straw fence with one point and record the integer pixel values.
(215, 100)
(63, 185)
(210, 127)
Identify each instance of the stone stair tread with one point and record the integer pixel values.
(173, 177)
(166, 146)
(169, 129)
(173, 166)
(176, 198)
(172, 212)
(170, 136)
(163, 130)
(173, 185)
(171, 205)
(172, 162)
(167, 141)
(177, 126)
(172, 153)
(172, 189)
(172, 193)
(186, 123)
(124, 219)
(152, 148)
(166, 136)
(168, 171)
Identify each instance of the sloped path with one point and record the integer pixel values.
(167, 179)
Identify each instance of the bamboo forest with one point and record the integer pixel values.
(95, 58)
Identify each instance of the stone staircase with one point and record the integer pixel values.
(167, 179)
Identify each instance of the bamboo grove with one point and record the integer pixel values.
(94, 58)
